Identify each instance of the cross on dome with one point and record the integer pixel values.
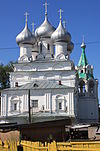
(60, 11)
(83, 38)
(33, 27)
(26, 15)
(46, 7)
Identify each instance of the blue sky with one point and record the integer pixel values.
(82, 18)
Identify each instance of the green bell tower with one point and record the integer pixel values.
(87, 90)
(84, 70)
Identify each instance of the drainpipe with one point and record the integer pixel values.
(29, 111)
(51, 102)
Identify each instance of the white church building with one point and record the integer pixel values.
(45, 83)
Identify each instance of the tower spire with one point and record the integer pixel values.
(60, 11)
(83, 43)
(83, 60)
(46, 9)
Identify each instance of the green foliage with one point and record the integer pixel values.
(4, 75)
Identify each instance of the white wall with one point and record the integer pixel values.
(46, 98)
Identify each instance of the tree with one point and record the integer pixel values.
(4, 75)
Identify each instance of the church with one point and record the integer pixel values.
(46, 84)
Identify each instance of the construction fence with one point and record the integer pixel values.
(53, 146)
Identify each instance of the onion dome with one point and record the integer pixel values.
(60, 34)
(70, 47)
(25, 37)
(45, 29)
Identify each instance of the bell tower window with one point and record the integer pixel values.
(81, 87)
(91, 87)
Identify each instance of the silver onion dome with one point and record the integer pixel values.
(60, 34)
(45, 30)
(70, 47)
(25, 37)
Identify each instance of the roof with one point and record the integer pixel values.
(79, 126)
(83, 64)
(60, 34)
(45, 29)
(83, 60)
(40, 84)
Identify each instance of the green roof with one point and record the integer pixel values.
(83, 63)
(83, 60)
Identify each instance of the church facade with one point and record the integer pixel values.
(45, 81)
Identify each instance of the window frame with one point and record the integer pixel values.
(34, 103)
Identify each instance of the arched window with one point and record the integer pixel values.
(40, 47)
(91, 86)
(60, 103)
(54, 49)
(48, 47)
(15, 104)
(81, 71)
(81, 87)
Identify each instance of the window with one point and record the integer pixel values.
(40, 47)
(35, 85)
(91, 87)
(48, 47)
(35, 103)
(15, 106)
(52, 56)
(60, 106)
(81, 87)
(54, 48)
(16, 84)
(66, 109)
